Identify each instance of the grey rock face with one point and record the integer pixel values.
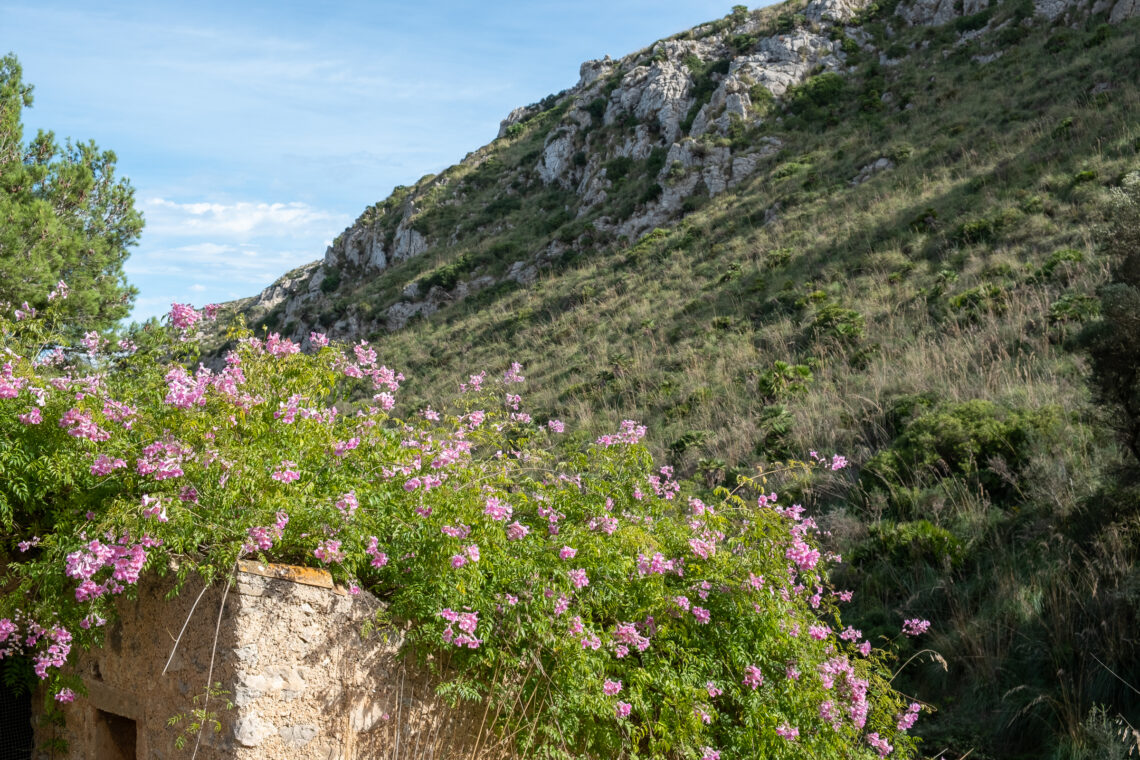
(251, 730)
(408, 242)
(556, 157)
(1124, 10)
(834, 10)
(592, 71)
(297, 736)
(657, 93)
(927, 12)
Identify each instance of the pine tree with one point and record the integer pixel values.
(63, 216)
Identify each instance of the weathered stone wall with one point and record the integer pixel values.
(303, 680)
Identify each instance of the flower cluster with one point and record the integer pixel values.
(583, 573)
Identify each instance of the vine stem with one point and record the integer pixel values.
(210, 673)
(178, 640)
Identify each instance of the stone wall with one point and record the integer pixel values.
(303, 679)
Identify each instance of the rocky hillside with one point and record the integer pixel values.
(874, 229)
(634, 145)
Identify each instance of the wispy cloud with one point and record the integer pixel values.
(241, 220)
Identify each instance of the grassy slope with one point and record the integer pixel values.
(956, 277)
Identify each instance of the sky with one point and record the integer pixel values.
(255, 132)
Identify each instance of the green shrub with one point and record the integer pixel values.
(689, 440)
(1060, 260)
(618, 168)
(783, 380)
(1074, 307)
(331, 281)
(984, 229)
(976, 438)
(836, 322)
(903, 544)
(974, 22)
(597, 108)
(983, 299)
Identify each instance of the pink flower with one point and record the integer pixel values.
(753, 677)
(318, 340)
(787, 732)
(183, 316)
(802, 554)
(512, 375)
(907, 719)
(713, 689)
(458, 561)
(33, 417)
(702, 615)
(153, 507)
(622, 709)
(65, 695)
(701, 548)
(517, 531)
(286, 472)
(629, 434)
(915, 626)
(611, 688)
(556, 426)
(579, 578)
(708, 753)
(329, 551)
(379, 558)
(882, 745)
(497, 509)
(275, 345)
(348, 504)
(104, 465)
(91, 341)
(567, 552)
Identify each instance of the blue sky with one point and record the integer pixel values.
(254, 132)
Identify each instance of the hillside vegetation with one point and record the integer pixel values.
(885, 244)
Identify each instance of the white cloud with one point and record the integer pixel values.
(240, 220)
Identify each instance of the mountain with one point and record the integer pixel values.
(865, 228)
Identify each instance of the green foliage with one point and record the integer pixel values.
(817, 98)
(258, 464)
(618, 168)
(838, 323)
(1113, 343)
(783, 380)
(65, 217)
(1074, 307)
(597, 108)
(984, 229)
(974, 22)
(331, 280)
(908, 543)
(1060, 261)
(977, 438)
